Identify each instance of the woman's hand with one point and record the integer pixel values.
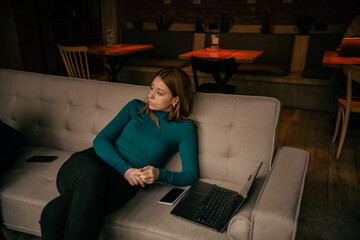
(133, 176)
(149, 174)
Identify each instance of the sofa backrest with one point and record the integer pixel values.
(277, 47)
(235, 132)
(167, 44)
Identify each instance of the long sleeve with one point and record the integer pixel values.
(104, 141)
(188, 148)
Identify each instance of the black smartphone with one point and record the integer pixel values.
(38, 158)
(172, 196)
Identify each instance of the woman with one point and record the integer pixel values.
(126, 154)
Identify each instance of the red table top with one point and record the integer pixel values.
(241, 56)
(332, 59)
(118, 49)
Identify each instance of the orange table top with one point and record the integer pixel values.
(241, 56)
(332, 59)
(118, 49)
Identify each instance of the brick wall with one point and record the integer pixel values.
(184, 11)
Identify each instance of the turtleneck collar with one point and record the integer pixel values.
(161, 114)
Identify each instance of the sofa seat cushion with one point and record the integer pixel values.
(27, 187)
(317, 72)
(263, 69)
(30, 186)
(154, 221)
(157, 62)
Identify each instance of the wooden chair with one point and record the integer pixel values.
(76, 62)
(215, 67)
(347, 105)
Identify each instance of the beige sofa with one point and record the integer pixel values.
(61, 115)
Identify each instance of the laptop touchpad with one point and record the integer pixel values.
(194, 198)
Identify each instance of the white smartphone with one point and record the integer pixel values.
(172, 196)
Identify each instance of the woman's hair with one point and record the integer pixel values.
(180, 85)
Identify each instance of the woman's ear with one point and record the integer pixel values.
(175, 101)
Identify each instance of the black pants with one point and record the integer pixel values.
(89, 189)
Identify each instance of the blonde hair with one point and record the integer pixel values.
(180, 85)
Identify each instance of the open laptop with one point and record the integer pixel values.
(212, 206)
(350, 47)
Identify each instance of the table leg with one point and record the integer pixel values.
(102, 64)
(113, 72)
(116, 63)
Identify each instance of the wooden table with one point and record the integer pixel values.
(332, 59)
(241, 56)
(117, 52)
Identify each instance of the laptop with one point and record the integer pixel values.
(350, 47)
(210, 205)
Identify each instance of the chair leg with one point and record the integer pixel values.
(343, 133)
(338, 118)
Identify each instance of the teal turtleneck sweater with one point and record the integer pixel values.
(133, 140)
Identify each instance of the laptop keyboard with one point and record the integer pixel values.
(213, 206)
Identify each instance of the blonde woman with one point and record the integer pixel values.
(126, 155)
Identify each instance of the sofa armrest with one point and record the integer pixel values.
(277, 209)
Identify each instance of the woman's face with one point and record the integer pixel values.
(160, 97)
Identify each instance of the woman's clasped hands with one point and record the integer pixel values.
(142, 176)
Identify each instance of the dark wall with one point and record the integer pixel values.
(10, 56)
(35, 44)
(25, 17)
(184, 11)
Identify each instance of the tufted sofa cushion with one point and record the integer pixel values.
(65, 113)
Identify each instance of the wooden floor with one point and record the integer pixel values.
(329, 181)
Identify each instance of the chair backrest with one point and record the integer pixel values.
(75, 61)
(214, 67)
